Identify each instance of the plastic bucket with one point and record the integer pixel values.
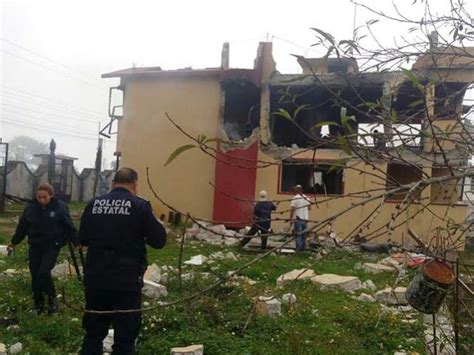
(429, 287)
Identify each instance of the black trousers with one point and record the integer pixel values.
(42, 258)
(126, 325)
(256, 228)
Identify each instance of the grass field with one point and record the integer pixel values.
(320, 323)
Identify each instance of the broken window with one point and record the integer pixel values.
(315, 179)
(241, 109)
(447, 191)
(371, 135)
(401, 174)
(407, 135)
(449, 97)
(310, 116)
(408, 105)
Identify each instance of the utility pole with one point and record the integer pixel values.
(4, 178)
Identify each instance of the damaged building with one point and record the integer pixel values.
(277, 130)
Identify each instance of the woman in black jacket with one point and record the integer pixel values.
(47, 223)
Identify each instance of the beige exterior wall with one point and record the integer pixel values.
(423, 223)
(147, 138)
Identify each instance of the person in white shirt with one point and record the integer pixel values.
(300, 206)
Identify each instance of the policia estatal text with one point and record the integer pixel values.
(115, 227)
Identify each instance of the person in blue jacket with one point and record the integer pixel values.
(48, 225)
(115, 228)
(262, 219)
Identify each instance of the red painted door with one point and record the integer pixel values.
(235, 186)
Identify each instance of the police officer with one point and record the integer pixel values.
(115, 227)
(48, 224)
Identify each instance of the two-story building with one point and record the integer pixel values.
(277, 130)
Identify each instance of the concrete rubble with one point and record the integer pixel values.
(11, 272)
(153, 273)
(64, 269)
(154, 290)
(392, 296)
(363, 297)
(108, 342)
(212, 234)
(372, 268)
(331, 282)
(289, 299)
(238, 279)
(3, 348)
(15, 348)
(297, 274)
(369, 284)
(444, 334)
(3, 250)
(196, 260)
(188, 350)
(268, 306)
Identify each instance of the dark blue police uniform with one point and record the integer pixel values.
(48, 228)
(115, 227)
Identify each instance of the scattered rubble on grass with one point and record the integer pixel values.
(331, 282)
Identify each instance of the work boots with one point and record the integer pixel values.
(39, 304)
(52, 305)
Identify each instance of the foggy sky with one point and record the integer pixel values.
(52, 53)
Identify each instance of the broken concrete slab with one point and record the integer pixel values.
(392, 296)
(331, 282)
(363, 297)
(372, 268)
(154, 290)
(108, 342)
(268, 306)
(3, 250)
(297, 274)
(218, 229)
(188, 350)
(196, 260)
(11, 272)
(369, 284)
(16, 348)
(289, 299)
(218, 255)
(64, 269)
(231, 256)
(237, 279)
(152, 273)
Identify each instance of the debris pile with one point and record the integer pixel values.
(212, 234)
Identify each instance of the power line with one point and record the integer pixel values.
(48, 68)
(78, 115)
(13, 123)
(49, 59)
(57, 102)
(44, 122)
(44, 113)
